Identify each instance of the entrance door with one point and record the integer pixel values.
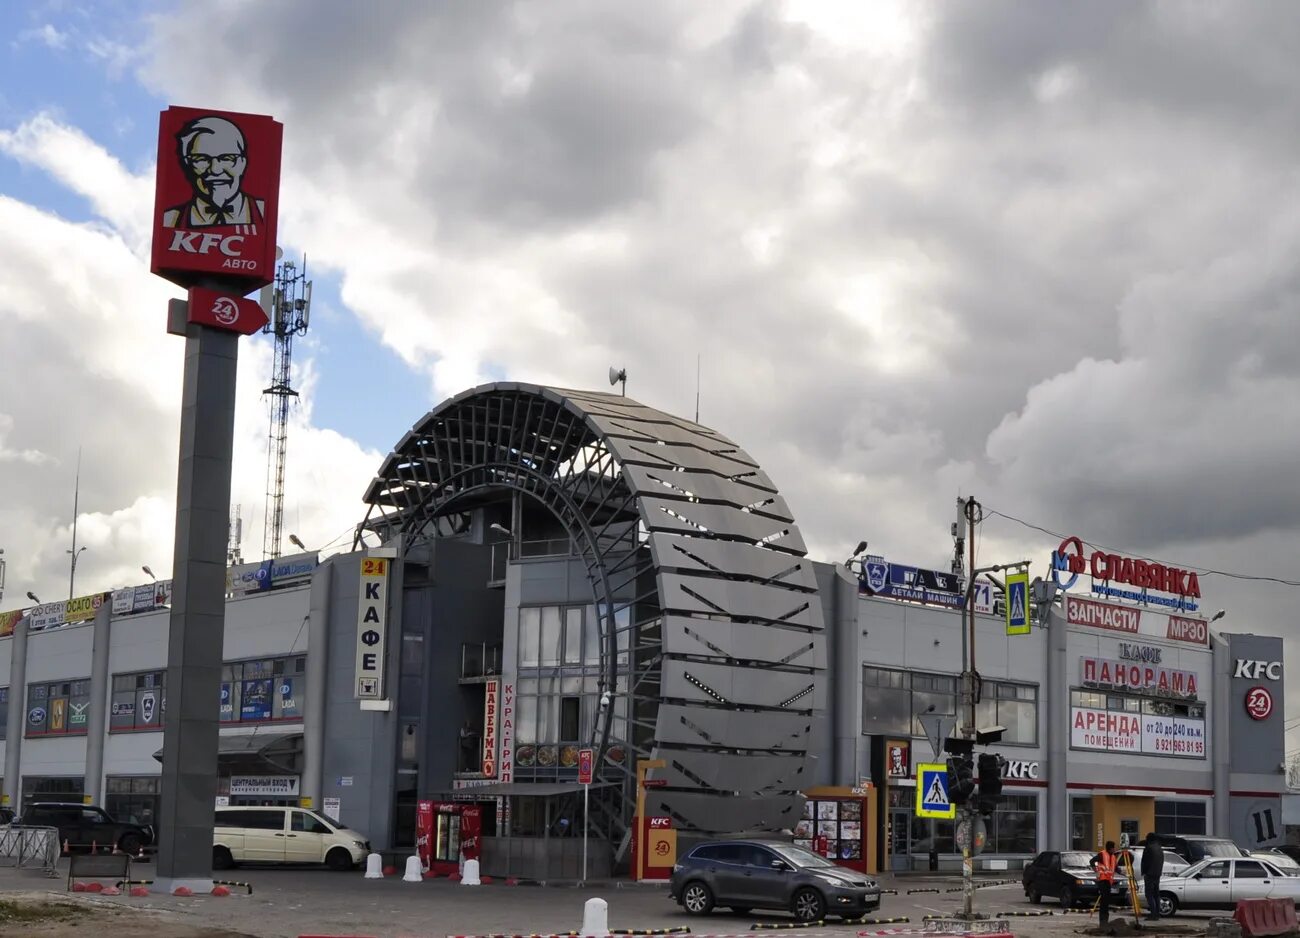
(898, 841)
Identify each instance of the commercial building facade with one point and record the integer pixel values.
(541, 572)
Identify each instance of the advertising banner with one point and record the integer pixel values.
(1133, 675)
(255, 700)
(283, 571)
(9, 621)
(1146, 734)
(1137, 621)
(899, 581)
(216, 197)
(82, 608)
(47, 616)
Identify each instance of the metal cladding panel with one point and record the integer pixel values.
(717, 814)
(742, 641)
(762, 687)
(688, 726)
(662, 514)
(662, 431)
(733, 772)
(690, 485)
(736, 558)
(703, 595)
(690, 458)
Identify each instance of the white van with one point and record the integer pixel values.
(283, 835)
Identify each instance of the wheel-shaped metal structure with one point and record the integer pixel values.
(711, 626)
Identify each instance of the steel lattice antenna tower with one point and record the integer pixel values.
(288, 307)
(234, 552)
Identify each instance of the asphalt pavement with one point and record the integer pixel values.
(286, 903)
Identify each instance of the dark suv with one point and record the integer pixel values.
(748, 874)
(83, 827)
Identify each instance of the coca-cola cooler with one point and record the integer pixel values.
(447, 833)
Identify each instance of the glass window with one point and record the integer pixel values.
(526, 725)
(569, 714)
(309, 824)
(550, 654)
(1249, 869)
(886, 702)
(1013, 828)
(1180, 817)
(1081, 837)
(573, 635)
(1216, 870)
(530, 630)
(60, 708)
(591, 637)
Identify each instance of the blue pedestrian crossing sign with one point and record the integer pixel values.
(932, 791)
(1017, 603)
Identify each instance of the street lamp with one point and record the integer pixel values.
(72, 576)
(293, 539)
(146, 569)
(33, 597)
(1219, 615)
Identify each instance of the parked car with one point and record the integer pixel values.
(84, 827)
(1066, 876)
(1196, 848)
(1282, 860)
(1291, 850)
(745, 874)
(1173, 866)
(283, 835)
(1219, 883)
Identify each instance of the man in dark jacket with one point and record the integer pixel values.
(1153, 862)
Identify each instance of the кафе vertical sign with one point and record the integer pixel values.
(372, 628)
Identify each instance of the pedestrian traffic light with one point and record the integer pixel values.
(961, 782)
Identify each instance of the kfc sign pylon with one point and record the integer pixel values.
(215, 204)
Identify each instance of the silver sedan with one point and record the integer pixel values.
(1218, 883)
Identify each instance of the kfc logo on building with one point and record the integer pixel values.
(215, 202)
(899, 760)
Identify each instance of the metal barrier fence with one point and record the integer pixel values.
(30, 848)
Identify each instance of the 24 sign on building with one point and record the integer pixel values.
(372, 628)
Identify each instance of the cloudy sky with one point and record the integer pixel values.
(1040, 253)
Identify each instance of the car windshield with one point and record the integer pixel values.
(1075, 860)
(1220, 848)
(798, 856)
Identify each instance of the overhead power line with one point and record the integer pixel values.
(1203, 571)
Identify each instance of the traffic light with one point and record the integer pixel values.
(990, 782)
(961, 783)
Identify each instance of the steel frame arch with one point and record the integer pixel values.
(724, 678)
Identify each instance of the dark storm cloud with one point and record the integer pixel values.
(1078, 218)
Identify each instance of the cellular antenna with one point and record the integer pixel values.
(288, 307)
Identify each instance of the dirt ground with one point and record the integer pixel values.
(40, 915)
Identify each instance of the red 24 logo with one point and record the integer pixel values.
(1259, 703)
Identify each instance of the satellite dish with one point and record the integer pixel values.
(616, 375)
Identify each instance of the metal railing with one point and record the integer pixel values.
(30, 848)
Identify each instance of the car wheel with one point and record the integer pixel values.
(808, 905)
(130, 843)
(339, 860)
(1068, 899)
(221, 859)
(1034, 896)
(697, 898)
(1167, 904)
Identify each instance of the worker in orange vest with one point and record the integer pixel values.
(1104, 864)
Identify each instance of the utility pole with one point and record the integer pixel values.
(76, 500)
(969, 508)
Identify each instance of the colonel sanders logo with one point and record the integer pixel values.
(214, 156)
(898, 767)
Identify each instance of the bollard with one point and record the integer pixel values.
(595, 919)
(470, 877)
(414, 871)
(374, 866)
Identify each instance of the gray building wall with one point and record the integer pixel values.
(361, 745)
(1257, 776)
